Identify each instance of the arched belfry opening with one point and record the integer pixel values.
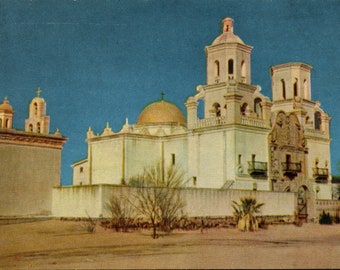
(317, 120)
(244, 109)
(243, 71)
(283, 87)
(258, 107)
(35, 108)
(230, 66)
(217, 69)
(216, 109)
(295, 88)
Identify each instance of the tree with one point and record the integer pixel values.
(121, 212)
(158, 197)
(245, 213)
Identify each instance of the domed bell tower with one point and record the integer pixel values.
(227, 65)
(6, 115)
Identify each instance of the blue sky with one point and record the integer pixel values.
(103, 61)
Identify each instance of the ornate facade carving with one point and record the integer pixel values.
(287, 152)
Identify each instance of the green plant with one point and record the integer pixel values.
(325, 218)
(245, 213)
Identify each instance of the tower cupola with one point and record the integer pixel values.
(6, 114)
(228, 57)
(228, 25)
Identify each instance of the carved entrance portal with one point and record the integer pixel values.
(287, 153)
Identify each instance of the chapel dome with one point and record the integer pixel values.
(6, 107)
(161, 112)
(227, 35)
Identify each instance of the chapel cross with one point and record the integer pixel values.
(162, 95)
(38, 91)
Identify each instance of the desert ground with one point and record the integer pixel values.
(56, 244)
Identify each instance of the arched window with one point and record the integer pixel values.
(317, 120)
(7, 123)
(217, 109)
(35, 106)
(307, 119)
(258, 107)
(230, 66)
(243, 70)
(295, 87)
(30, 128)
(283, 88)
(0, 123)
(38, 127)
(217, 68)
(244, 108)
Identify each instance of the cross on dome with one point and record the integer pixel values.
(162, 95)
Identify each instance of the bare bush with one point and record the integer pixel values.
(122, 213)
(158, 197)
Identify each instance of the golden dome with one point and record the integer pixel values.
(6, 107)
(161, 112)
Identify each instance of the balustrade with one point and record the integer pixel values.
(291, 167)
(316, 133)
(257, 168)
(320, 174)
(209, 122)
(222, 120)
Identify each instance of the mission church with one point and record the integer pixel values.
(244, 142)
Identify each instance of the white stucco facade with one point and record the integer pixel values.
(245, 140)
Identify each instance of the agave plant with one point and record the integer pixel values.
(245, 213)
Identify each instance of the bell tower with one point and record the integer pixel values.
(38, 121)
(291, 81)
(227, 71)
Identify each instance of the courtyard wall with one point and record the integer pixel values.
(90, 200)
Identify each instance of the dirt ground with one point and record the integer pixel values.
(55, 244)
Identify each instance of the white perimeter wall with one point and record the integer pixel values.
(78, 201)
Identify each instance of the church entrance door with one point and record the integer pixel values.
(302, 203)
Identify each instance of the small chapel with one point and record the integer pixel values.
(30, 161)
(245, 141)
